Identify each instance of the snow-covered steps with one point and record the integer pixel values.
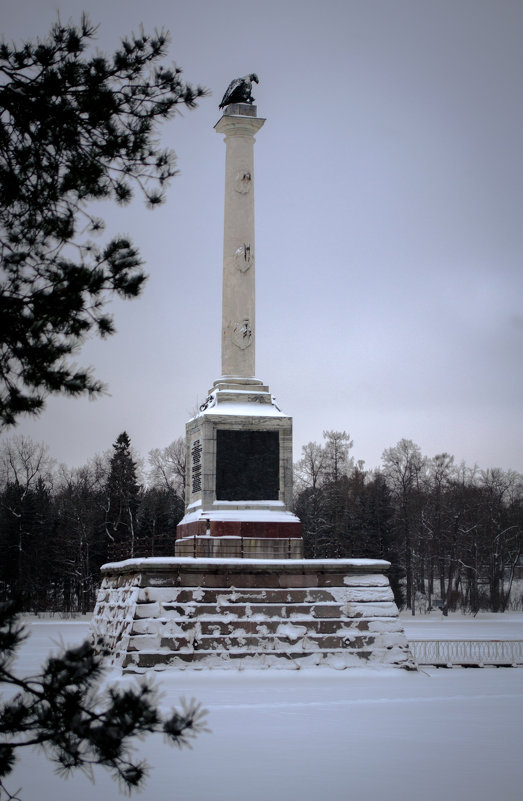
(235, 613)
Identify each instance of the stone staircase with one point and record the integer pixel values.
(233, 613)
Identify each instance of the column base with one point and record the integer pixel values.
(239, 547)
(260, 529)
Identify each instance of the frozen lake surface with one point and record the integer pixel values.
(485, 626)
(353, 735)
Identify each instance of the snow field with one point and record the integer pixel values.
(352, 735)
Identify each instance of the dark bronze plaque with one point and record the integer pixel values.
(247, 465)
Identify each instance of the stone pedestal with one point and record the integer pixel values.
(239, 477)
(239, 613)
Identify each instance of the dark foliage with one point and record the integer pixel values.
(159, 513)
(123, 497)
(452, 535)
(61, 711)
(73, 128)
(27, 525)
(58, 527)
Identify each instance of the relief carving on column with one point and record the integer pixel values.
(242, 334)
(244, 258)
(243, 181)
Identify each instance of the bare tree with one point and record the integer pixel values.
(338, 463)
(80, 546)
(436, 518)
(501, 529)
(26, 479)
(23, 462)
(168, 466)
(309, 471)
(403, 466)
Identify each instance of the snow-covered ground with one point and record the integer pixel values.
(456, 626)
(353, 735)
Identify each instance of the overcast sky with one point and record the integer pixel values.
(389, 226)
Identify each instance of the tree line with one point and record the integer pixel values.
(58, 526)
(453, 534)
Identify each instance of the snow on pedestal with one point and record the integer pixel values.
(237, 613)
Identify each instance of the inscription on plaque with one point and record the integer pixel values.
(247, 465)
(196, 466)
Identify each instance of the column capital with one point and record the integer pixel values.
(238, 125)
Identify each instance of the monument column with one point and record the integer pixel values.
(238, 499)
(238, 592)
(239, 124)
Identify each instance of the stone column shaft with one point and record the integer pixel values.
(238, 298)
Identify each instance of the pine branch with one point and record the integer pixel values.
(61, 711)
(73, 129)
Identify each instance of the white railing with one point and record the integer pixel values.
(467, 652)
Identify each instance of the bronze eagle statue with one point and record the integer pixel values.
(239, 90)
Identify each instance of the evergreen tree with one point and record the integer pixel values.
(159, 513)
(376, 538)
(311, 508)
(73, 128)
(123, 498)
